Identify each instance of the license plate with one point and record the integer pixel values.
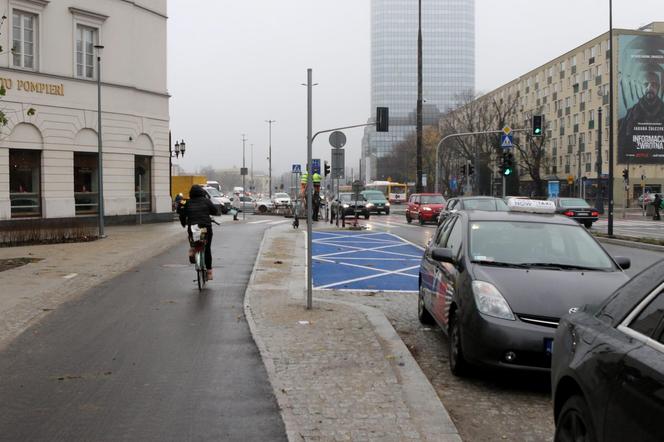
(548, 346)
(582, 213)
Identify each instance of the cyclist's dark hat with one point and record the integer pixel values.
(196, 191)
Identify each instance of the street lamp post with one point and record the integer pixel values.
(100, 161)
(269, 155)
(599, 200)
(178, 149)
(244, 191)
(418, 160)
(610, 117)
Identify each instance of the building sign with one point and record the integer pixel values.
(640, 94)
(33, 86)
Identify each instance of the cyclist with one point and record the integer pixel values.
(197, 211)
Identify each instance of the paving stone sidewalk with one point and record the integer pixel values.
(339, 371)
(65, 271)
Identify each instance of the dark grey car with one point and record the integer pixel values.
(499, 282)
(488, 203)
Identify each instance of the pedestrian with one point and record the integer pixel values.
(657, 203)
(237, 203)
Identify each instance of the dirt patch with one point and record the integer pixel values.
(12, 263)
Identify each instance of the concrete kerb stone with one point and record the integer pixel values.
(427, 412)
(632, 244)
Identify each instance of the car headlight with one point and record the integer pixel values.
(427, 209)
(490, 302)
(387, 204)
(346, 206)
(369, 205)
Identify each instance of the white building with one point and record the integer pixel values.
(48, 148)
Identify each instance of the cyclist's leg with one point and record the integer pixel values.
(208, 252)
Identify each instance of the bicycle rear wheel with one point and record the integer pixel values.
(201, 271)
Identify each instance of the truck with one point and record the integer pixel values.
(182, 184)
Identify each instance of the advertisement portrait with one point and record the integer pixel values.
(640, 99)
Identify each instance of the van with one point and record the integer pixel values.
(214, 184)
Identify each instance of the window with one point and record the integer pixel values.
(25, 182)
(86, 183)
(86, 39)
(24, 33)
(454, 239)
(646, 322)
(143, 179)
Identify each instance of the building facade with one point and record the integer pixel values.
(49, 144)
(448, 66)
(569, 92)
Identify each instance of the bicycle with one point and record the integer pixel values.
(198, 241)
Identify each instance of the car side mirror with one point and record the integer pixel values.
(441, 254)
(623, 262)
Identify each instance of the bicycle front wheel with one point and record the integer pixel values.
(199, 277)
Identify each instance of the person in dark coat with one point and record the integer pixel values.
(657, 203)
(197, 211)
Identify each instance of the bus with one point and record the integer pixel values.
(394, 192)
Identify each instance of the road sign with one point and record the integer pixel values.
(297, 168)
(554, 189)
(506, 141)
(338, 163)
(244, 171)
(507, 130)
(337, 139)
(315, 165)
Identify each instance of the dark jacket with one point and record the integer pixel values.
(198, 209)
(658, 201)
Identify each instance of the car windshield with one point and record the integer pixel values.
(485, 204)
(374, 195)
(349, 197)
(432, 199)
(213, 192)
(281, 195)
(573, 202)
(536, 244)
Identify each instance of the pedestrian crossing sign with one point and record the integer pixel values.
(506, 141)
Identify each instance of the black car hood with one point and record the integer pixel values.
(549, 293)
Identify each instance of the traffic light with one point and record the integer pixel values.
(327, 169)
(626, 174)
(471, 169)
(382, 119)
(462, 170)
(538, 122)
(507, 164)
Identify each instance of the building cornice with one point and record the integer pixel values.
(38, 3)
(89, 14)
(145, 8)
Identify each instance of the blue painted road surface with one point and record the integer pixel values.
(365, 261)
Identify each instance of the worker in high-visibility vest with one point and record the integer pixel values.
(316, 180)
(303, 182)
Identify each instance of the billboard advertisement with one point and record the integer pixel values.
(640, 94)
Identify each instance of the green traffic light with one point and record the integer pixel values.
(538, 131)
(508, 172)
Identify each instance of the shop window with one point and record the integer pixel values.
(86, 183)
(25, 182)
(143, 179)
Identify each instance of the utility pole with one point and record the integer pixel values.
(244, 140)
(252, 169)
(269, 155)
(599, 201)
(100, 155)
(418, 178)
(310, 185)
(610, 116)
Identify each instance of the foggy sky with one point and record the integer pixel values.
(234, 64)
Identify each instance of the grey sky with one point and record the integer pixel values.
(235, 64)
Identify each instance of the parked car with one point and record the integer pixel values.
(246, 203)
(486, 203)
(346, 204)
(281, 200)
(424, 207)
(497, 283)
(607, 374)
(377, 198)
(578, 209)
(222, 203)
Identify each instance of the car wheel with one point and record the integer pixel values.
(408, 219)
(422, 313)
(458, 365)
(588, 224)
(575, 422)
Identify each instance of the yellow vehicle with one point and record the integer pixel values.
(396, 193)
(182, 184)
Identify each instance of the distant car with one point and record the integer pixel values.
(486, 203)
(263, 205)
(424, 207)
(221, 203)
(607, 373)
(377, 198)
(246, 203)
(578, 209)
(346, 204)
(214, 184)
(498, 283)
(281, 200)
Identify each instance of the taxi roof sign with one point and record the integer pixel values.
(531, 206)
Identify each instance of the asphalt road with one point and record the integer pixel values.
(146, 357)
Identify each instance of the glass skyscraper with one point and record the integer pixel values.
(448, 67)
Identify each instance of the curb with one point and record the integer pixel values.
(629, 243)
(427, 411)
